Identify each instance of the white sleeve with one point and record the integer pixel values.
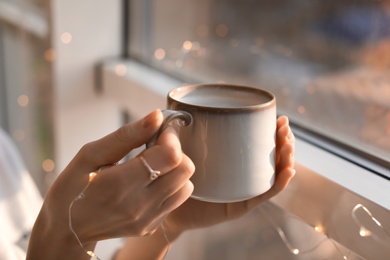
(20, 201)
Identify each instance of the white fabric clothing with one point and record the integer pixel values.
(20, 201)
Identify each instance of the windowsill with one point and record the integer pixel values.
(325, 189)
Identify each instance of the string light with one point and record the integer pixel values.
(81, 196)
(282, 235)
(363, 231)
(166, 239)
(296, 251)
(319, 229)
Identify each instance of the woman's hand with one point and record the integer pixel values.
(121, 200)
(196, 214)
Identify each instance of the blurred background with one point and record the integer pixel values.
(73, 71)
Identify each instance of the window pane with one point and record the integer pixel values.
(327, 62)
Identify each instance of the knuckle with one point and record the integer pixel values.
(87, 153)
(135, 220)
(173, 156)
(188, 167)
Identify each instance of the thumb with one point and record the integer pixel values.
(113, 147)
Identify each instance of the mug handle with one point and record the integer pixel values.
(170, 115)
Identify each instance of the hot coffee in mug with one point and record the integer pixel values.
(229, 134)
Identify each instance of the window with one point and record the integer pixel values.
(327, 62)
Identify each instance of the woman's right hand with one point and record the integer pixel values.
(121, 200)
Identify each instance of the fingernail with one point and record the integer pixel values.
(290, 134)
(149, 119)
(293, 172)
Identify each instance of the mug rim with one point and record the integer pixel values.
(189, 88)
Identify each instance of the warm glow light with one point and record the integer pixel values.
(301, 109)
(159, 54)
(23, 100)
(364, 232)
(66, 38)
(295, 251)
(92, 176)
(187, 45)
(319, 229)
(92, 254)
(48, 165)
(49, 55)
(120, 69)
(221, 30)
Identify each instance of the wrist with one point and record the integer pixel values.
(170, 232)
(154, 246)
(51, 239)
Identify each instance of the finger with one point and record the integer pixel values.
(280, 133)
(163, 158)
(169, 184)
(178, 198)
(286, 157)
(116, 145)
(281, 121)
(284, 135)
(282, 180)
(166, 154)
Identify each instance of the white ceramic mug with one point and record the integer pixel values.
(230, 137)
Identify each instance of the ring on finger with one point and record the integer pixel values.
(153, 174)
